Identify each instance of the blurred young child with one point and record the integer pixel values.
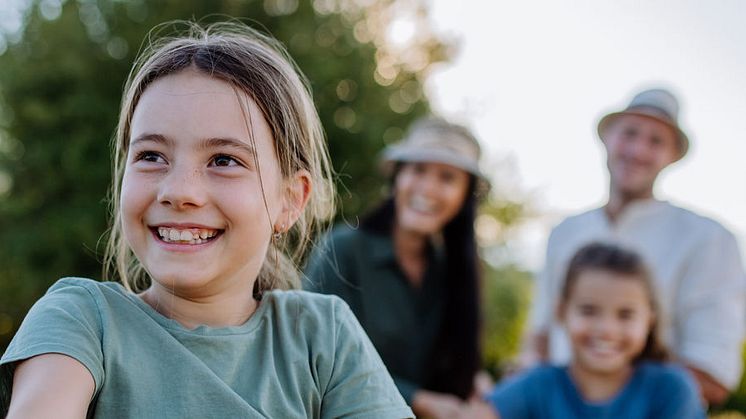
(609, 311)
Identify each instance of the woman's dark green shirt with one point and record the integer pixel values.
(401, 320)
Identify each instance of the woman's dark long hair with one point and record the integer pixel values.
(455, 357)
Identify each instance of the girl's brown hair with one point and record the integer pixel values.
(256, 65)
(629, 265)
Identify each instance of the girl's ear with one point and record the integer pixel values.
(297, 191)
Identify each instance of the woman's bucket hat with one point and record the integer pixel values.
(438, 141)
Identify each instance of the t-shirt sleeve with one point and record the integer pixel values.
(66, 321)
(678, 396)
(710, 313)
(406, 387)
(510, 398)
(359, 385)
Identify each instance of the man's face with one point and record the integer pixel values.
(638, 148)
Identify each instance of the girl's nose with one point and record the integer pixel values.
(605, 326)
(183, 188)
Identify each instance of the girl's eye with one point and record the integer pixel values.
(587, 310)
(626, 314)
(150, 157)
(222, 160)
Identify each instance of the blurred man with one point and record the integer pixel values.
(695, 261)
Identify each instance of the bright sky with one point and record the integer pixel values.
(532, 78)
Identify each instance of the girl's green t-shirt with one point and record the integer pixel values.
(301, 355)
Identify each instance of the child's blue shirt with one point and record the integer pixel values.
(655, 390)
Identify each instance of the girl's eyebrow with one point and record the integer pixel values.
(215, 142)
(218, 142)
(156, 138)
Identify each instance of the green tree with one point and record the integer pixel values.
(505, 292)
(61, 77)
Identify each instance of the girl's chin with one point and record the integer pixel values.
(181, 282)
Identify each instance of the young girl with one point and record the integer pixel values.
(410, 272)
(219, 156)
(608, 309)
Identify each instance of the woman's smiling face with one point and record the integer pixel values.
(428, 195)
(199, 198)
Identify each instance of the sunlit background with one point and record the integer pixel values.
(533, 78)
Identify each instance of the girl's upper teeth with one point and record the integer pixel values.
(170, 234)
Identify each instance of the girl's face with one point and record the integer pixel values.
(197, 209)
(608, 318)
(428, 196)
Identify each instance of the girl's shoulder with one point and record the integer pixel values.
(82, 293)
(667, 389)
(652, 370)
(666, 376)
(528, 393)
(90, 285)
(540, 376)
(304, 306)
(311, 320)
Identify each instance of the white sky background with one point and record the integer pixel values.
(532, 78)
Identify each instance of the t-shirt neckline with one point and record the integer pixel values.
(203, 330)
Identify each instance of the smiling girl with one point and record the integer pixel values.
(617, 370)
(219, 156)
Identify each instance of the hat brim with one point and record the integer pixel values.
(394, 154)
(681, 137)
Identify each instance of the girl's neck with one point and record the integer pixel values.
(599, 387)
(218, 310)
(409, 248)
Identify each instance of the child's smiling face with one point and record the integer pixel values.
(196, 210)
(608, 317)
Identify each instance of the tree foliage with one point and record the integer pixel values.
(60, 85)
(506, 292)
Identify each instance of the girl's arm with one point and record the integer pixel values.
(51, 386)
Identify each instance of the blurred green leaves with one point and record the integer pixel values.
(61, 77)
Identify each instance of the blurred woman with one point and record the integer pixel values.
(410, 271)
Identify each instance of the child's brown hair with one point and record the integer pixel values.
(258, 66)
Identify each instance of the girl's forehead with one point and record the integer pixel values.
(596, 282)
(190, 80)
(190, 103)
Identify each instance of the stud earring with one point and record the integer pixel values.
(278, 232)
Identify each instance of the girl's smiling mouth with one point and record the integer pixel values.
(179, 235)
